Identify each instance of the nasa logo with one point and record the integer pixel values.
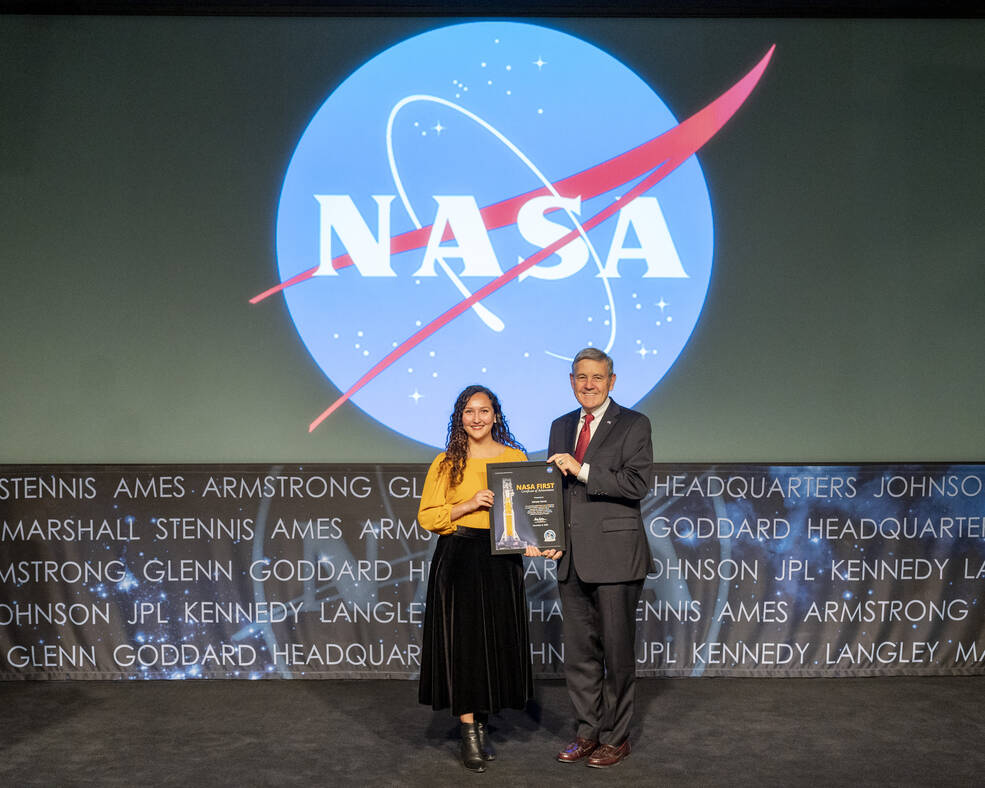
(477, 203)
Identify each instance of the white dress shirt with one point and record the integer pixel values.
(593, 425)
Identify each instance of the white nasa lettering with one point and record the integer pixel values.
(370, 255)
(459, 217)
(542, 232)
(656, 245)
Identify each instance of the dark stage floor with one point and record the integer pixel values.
(700, 732)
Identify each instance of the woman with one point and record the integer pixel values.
(476, 653)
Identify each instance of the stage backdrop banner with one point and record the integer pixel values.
(320, 571)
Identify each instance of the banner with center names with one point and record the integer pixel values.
(320, 571)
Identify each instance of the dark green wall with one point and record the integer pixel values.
(141, 162)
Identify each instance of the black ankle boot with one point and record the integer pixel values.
(485, 745)
(471, 756)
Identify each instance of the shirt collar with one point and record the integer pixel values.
(598, 412)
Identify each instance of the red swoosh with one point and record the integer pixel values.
(665, 153)
(588, 183)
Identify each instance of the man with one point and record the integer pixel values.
(604, 452)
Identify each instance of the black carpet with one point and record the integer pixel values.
(700, 732)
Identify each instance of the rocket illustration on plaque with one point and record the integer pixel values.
(508, 538)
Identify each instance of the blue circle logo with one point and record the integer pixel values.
(473, 205)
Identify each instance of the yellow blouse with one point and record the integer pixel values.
(437, 499)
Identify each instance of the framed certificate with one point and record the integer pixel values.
(527, 507)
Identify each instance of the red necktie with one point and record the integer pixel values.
(584, 437)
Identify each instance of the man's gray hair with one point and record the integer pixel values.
(592, 354)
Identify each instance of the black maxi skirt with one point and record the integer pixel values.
(475, 656)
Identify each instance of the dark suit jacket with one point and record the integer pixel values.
(605, 535)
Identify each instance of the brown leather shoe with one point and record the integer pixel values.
(607, 755)
(578, 749)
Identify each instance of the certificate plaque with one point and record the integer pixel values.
(527, 507)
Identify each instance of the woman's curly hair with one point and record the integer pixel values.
(457, 446)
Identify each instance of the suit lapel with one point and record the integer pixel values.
(603, 430)
(571, 424)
